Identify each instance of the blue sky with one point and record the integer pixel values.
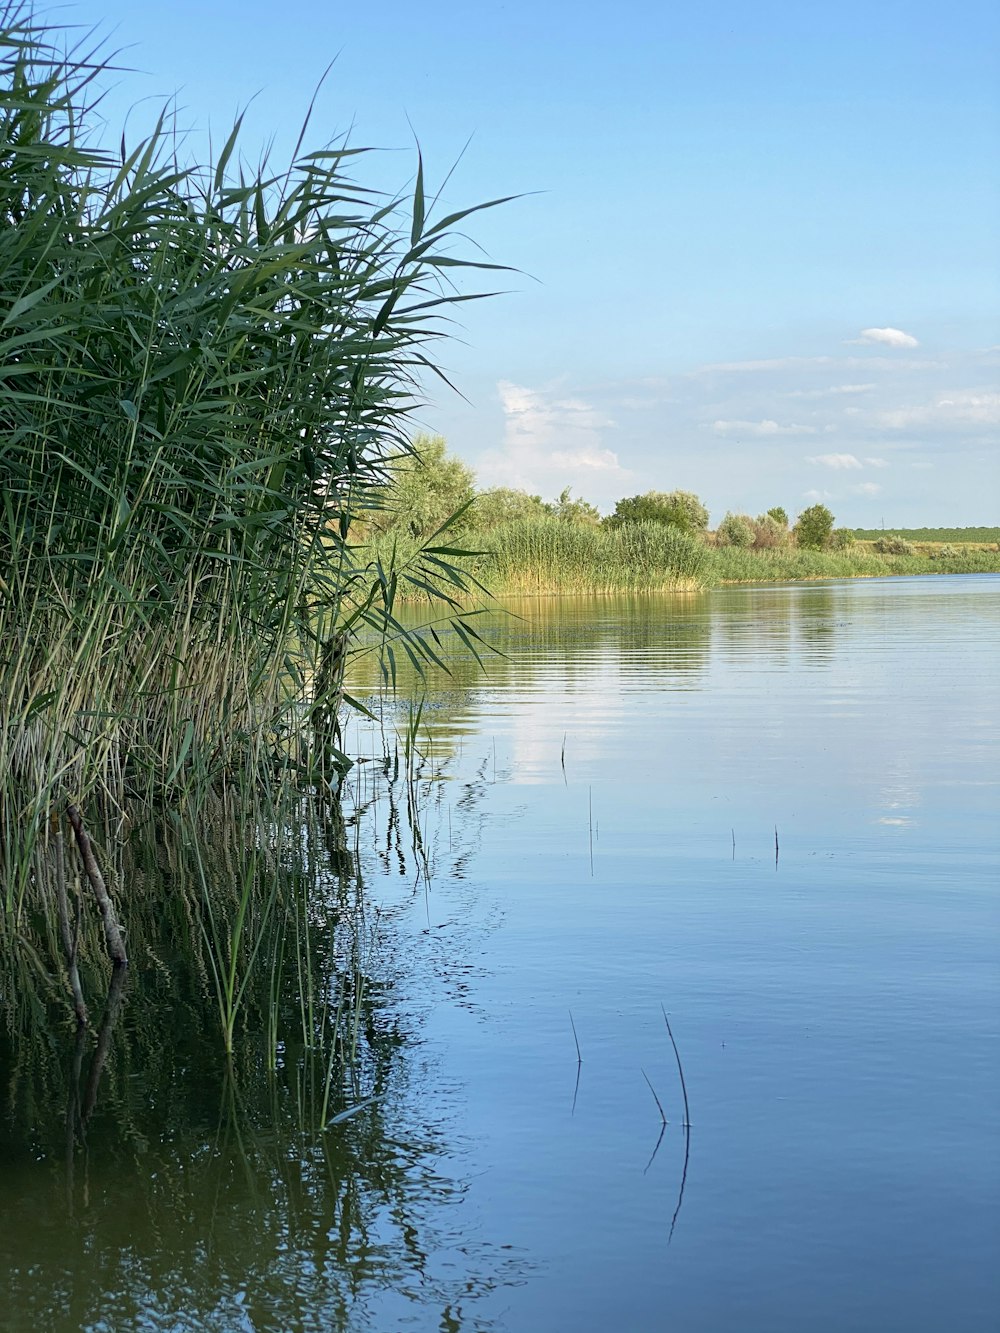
(758, 243)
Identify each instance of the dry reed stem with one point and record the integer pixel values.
(112, 932)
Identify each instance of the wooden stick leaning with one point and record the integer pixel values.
(112, 933)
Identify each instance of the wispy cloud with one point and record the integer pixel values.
(831, 391)
(867, 488)
(594, 460)
(761, 428)
(846, 462)
(888, 337)
(966, 407)
(840, 462)
(771, 363)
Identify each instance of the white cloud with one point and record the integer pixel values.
(551, 439)
(816, 496)
(876, 462)
(597, 460)
(760, 428)
(965, 407)
(831, 391)
(772, 363)
(837, 461)
(866, 488)
(887, 337)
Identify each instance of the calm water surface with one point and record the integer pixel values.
(771, 812)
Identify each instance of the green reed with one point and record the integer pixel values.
(203, 370)
(730, 564)
(530, 556)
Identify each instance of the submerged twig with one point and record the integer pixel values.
(112, 933)
(115, 991)
(684, 1176)
(652, 1155)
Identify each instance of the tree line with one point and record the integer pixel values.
(428, 487)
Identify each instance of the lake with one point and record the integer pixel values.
(769, 814)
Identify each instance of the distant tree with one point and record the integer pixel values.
(842, 538)
(568, 510)
(769, 532)
(779, 515)
(502, 504)
(682, 509)
(424, 489)
(736, 530)
(813, 527)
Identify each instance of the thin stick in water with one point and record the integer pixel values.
(112, 933)
(590, 824)
(659, 1104)
(579, 1057)
(680, 1067)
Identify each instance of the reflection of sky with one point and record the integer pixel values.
(835, 1009)
(853, 696)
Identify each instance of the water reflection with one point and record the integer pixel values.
(835, 1020)
(151, 1183)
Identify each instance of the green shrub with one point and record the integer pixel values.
(842, 538)
(680, 509)
(893, 545)
(502, 504)
(427, 486)
(736, 530)
(769, 533)
(568, 510)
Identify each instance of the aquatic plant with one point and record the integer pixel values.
(204, 369)
(533, 555)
